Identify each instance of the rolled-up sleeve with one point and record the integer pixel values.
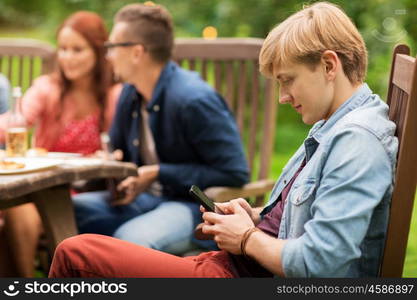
(356, 175)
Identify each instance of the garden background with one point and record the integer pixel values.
(383, 23)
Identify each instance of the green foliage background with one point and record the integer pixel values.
(235, 18)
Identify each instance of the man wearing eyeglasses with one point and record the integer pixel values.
(174, 126)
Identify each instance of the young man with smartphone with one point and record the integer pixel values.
(174, 126)
(327, 214)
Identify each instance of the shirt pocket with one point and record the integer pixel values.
(303, 193)
(300, 200)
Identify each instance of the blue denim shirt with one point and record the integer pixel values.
(336, 213)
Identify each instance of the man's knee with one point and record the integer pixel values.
(134, 236)
(71, 255)
(90, 200)
(73, 244)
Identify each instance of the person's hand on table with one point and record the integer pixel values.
(133, 186)
(228, 229)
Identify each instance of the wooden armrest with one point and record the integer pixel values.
(252, 189)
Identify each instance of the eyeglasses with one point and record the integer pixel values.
(108, 45)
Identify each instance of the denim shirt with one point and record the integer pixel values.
(196, 137)
(336, 213)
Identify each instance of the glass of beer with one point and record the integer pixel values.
(16, 141)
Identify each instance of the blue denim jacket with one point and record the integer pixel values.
(196, 136)
(336, 213)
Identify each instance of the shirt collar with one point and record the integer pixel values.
(166, 73)
(322, 127)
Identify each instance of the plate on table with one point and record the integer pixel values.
(43, 153)
(9, 166)
(63, 155)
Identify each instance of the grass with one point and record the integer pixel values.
(410, 266)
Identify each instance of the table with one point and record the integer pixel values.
(50, 191)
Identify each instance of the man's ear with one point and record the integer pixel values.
(331, 63)
(137, 53)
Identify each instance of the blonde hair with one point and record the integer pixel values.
(305, 35)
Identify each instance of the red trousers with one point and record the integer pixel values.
(91, 255)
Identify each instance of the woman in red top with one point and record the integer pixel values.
(70, 108)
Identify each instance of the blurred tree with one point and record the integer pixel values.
(383, 23)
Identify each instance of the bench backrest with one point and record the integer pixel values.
(402, 101)
(22, 60)
(230, 65)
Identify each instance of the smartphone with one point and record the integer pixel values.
(115, 195)
(205, 201)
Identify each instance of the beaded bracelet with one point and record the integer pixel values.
(245, 238)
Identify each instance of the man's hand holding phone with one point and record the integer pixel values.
(133, 186)
(228, 229)
(238, 209)
(226, 208)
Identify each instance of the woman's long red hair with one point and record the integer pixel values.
(91, 26)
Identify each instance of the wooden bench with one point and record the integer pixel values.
(230, 65)
(402, 101)
(22, 60)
